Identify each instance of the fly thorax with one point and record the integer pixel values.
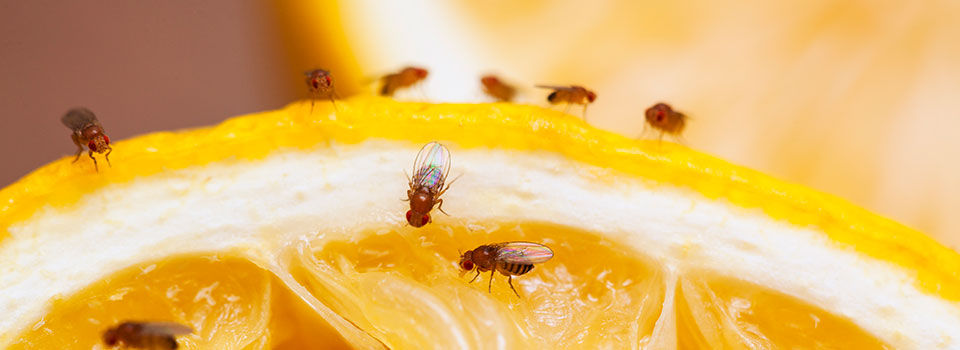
(90, 132)
(484, 257)
(421, 202)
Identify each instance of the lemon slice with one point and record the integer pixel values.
(285, 229)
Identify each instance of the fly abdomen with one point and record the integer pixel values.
(553, 97)
(161, 342)
(517, 269)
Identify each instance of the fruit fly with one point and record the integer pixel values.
(320, 84)
(573, 94)
(145, 335)
(430, 171)
(404, 78)
(665, 119)
(87, 131)
(510, 258)
(497, 89)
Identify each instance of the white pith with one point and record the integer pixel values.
(243, 205)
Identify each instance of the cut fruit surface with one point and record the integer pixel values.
(286, 230)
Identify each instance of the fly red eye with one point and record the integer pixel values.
(409, 215)
(466, 265)
(328, 80)
(92, 146)
(425, 218)
(106, 139)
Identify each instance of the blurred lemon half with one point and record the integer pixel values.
(285, 229)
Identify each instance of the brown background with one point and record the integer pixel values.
(141, 66)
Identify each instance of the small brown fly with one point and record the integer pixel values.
(573, 94)
(430, 171)
(404, 78)
(145, 335)
(497, 89)
(320, 84)
(87, 131)
(510, 258)
(665, 119)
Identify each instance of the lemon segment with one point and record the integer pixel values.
(187, 291)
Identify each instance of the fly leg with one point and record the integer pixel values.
(447, 187)
(423, 93)
(334, 102)
(475, 276)
(79, 147)
(333, 99)
(584, 112)
(679, 139)
(95, 167)
(492, 271)
(510, 282)
(107, 156)
(79, 152)
(440, 206)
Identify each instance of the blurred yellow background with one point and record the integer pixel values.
(854, 98)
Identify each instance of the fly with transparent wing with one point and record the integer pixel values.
(430, 171)
(87, 131)
(509, 258)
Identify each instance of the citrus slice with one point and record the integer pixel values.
(286, 229)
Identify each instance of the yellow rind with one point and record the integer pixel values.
(502, 126)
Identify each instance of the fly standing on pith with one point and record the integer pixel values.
(430, 171)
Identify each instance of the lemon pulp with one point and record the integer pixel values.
(403, 287)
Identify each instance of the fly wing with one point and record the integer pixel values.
(432, 166)
(77, 118)
(317, 72)
(556, 87)
(165, 328)
(524, 253)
